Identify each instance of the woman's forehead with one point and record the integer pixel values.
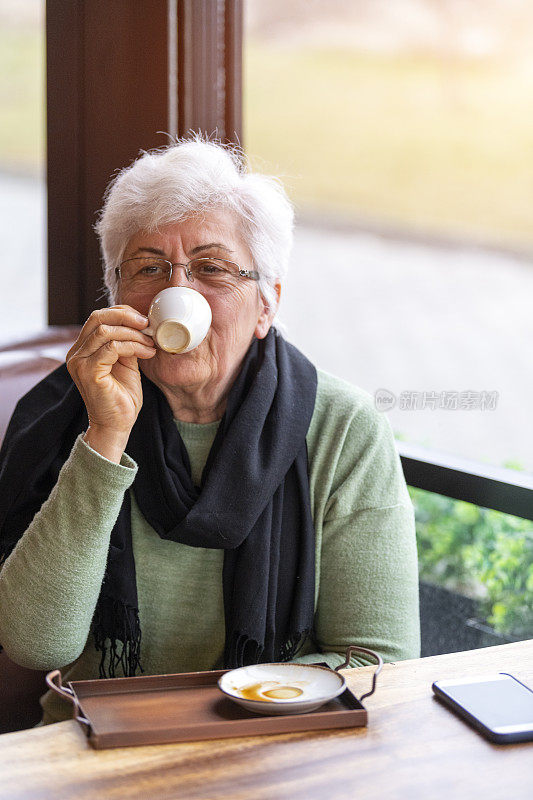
(222, 225)
(221, 229)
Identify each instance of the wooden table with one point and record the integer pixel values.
(412, 748)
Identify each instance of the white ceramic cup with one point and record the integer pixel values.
(179, 319)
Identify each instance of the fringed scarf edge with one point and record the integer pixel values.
(117, 635)
(242, 651)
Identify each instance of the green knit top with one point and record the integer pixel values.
(366, 568)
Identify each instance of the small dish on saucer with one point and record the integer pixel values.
(282, 688)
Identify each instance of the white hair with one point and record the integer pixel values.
(190, 177)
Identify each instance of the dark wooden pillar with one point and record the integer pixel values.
(111, 84)
(106, 99)
(210, 67)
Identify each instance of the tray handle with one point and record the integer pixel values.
(68, 694)
(372, 653)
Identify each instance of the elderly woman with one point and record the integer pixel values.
(229, 505)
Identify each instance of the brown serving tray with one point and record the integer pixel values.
(188, 706)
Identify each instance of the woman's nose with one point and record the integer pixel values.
(179, 275)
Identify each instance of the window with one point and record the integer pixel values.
(22, 169)
(403, 132)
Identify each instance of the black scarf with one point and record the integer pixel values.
(253, 501)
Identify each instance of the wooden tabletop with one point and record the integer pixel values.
(413, 748)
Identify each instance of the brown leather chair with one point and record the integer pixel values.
(22, 365)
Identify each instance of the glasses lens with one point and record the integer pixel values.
(139, 274)
(214, 274)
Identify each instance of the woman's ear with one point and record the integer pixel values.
(267, 315)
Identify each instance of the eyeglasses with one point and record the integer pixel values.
(144, 274)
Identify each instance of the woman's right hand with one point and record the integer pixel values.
(103, 364)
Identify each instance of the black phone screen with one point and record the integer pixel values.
(498, 702)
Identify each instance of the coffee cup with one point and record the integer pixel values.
(179, 319)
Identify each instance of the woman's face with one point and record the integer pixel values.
(238, 315)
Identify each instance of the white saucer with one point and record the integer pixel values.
(318, 685)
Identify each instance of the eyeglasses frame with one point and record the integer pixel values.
(242, 272)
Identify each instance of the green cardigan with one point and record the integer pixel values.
(366, 567)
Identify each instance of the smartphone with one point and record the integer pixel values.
(499, 706)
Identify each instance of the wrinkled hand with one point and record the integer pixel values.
(103, 364)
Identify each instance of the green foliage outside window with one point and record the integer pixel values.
(480, 553)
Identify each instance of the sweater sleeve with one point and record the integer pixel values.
(50, 583)
(368, 588)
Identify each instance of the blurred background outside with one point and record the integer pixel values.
(23, 298)
(403, 132)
